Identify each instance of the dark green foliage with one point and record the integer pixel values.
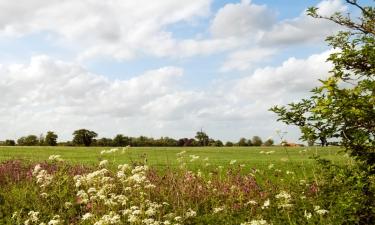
(202, 138)
(83, 137)
(51, 139)
(30, 140)
(256, 141)
(269, 142)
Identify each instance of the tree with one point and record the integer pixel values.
(343, 107)
(256, 141)
(268, 142)
(30, 140)
(51, 138)
(83, 137)
(228, 144)
(242, 142)
(121, 140)
(9, 143)
(202, 138)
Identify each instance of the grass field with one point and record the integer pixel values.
(193, 185)
(253, 157)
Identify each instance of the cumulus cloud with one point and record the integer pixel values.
(304, 29)
(241, 20)
(246, 59)
(119, 29)
(48, 94)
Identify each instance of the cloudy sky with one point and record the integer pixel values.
(158, 68)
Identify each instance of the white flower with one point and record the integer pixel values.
(103, 163)
(270, 166)
(307, 215)
(266, 204)
(232, 162)
(33, 216)
(87, 216)
(218, 209)
(55, 158)
(284, 195)
(190, 213)
(251, 202)
(322, 211)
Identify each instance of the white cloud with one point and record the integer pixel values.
(241, 20)
(48, 94)
(246, 59)
(304, 29)
(117, 28)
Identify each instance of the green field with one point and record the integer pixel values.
(163, 156)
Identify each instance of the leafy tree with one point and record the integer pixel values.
(242, 142)
(256, 141)
(268, 142)
(121, 140)
(218, 143)
(51, 138)
(30, 140)
(202, 138)
(9, 143)
(343, 106)
(229, 144)
(249, 143)
(83, 137)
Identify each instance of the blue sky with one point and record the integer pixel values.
(163, 68)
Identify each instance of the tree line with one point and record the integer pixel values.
(84, 137)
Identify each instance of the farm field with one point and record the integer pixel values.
(255, 157)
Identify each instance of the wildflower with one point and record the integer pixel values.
(255, 222)
(178, 218)
(284, 195)
(55, 220)
(251, 202)
(190, 213)
(320, 211)
(194, 157)
(218, 209)
(87, 216)
(33, 216)
(103, 163)
(44, 195)
(266, 204)
(56, 158)
(307, 215)
(270, 166)
(232, 162)
(181, 153)
(68, 205)
(289, 172)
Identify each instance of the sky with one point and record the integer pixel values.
(158, 68)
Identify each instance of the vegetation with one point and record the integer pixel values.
(343, 109)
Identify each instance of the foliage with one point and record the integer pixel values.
(268, 142)
(202, 138)
(343, 107)
(256, 141)
(51, 139)
(83, 137)
(29, 140)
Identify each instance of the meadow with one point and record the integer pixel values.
(197, 185)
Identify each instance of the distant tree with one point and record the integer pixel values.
(268, 142)
(41, 139)
(50, 139)
(121, 140)
(9, 143)
(218, 143)
(83, 137)
(202, 138)
(30, 140)
(249, 143)
(242, 142)
(104, 142)
(229, 144)
(257, 141)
